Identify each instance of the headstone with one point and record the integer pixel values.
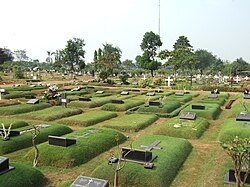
(230, 178)
(169, 81)
(12, 132)
(135, 90)
(215, 91)
(83, 181)
(87, 133)
(188, 115)
(237, 79)
(246, 96)
(4, 165)
(84, 99)
(61, 141)
(152, 146)
(198, 107)
(134, 83)
(117, 101)
(99, 92)
(137, 155)
(154, 103)
(76, 89)
(124, 93)
(33, 101)
(212, 96)
(2, 90)
(64, 100)
(150, 94)
(179, 93)
(243, 117)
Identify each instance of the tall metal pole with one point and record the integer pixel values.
(159, 23)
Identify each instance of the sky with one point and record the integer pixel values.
(219, 26)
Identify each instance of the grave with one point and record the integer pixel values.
(135, 90)
(228, 106)
(3, 91)
(169, 81)
(117, 101)
(152, 146)
(230, 178)
(150, 94)
(243, 117)
(33, 101)
(30, 97)
(179, 93)
(91, 87)
(188, 115)
(61, 141)
(84, 99)
(87, 133)
(4, 165)
(198, 107)
(64, 100)
(246, 96)
(124, 93)
(99, 92)
(75, 89)
(212, 95)
(12, 133)
(83, 181)
(154, 103)
(134, 83)
(137, 155)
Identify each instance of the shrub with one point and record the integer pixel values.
(19, 74)
(170, 158)
(132, 122)
(80, 153)
(182, 86)
(157, 81)
(124, 77)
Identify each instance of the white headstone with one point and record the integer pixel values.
(169, 81)
(237, 79)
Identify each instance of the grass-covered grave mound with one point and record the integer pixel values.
(183, 128)
(212, 110)
(24, 140)
(22, 108)
(18, 94)
(22, 176)
(169, 160)
(52, 113)
(86, 148)
(131, 122)
(220, 99)
(16, 123)
(128, 103)
(231, 128)
(240, 105)
(183, 99)
(24, 88)
(88, 118)
(6, 102)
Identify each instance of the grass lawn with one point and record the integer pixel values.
(16, 123)
(132, 122)
(169, 160)
(128, 103)
(89, 118)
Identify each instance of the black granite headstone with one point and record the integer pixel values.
(4, 165)
(84, 99)
(154, 103)
(33, 101)
(13, 132)
(188, 115)
(230, 178)
(61, 141)
(243, 117)
(83, 181)
(117, 101)
(198, 107)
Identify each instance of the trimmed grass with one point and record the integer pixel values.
(81, 92)
(169, 160)
(18, 94)
(52, 113)
(89, 118)
(168, 106)
(185, 98)
(129, 103)
(132, 122)
(85, 149)
(23, 88)
(237, 108)
(24, 140)
(22, 108)
(22, 176)
(15, 123)
(98, 95)
(231, 128)
(212, 110)
(191, 129)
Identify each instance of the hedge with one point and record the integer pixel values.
(52, 113)
(87, 119)
(24, 140)
(231, 128)
(167, 164)
(22, 108)
(191, 129)
(129, 103)
(80, 153)
(167, 107)
(132, 122)
(22, 176)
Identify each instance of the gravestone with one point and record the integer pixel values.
(33, 101)
(75, 89)
(198, 107)
(64, 100)
(84, 99)
(243, 117)
(179, 93)
(13, 133)
(212, 95)
(117, 101)
(188, 115)
(230, 178)
(3, 91)
(4, 165)
(99, 92)
(124, 93)
(152, 146)
(134, 83)
(154, 103)
(169, 81)
(150, 94)
(83, 181)
(61, 141)
(137, 155)
(87, 133)
(246, 96)
(215, 91)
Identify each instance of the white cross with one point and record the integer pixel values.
(169, 79)
(237, 79)
(144, 77)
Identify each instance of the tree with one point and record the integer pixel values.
(35, 132)
(74, 54)
(21, 55)
(150, 43)
(239, 151)
(5, 55)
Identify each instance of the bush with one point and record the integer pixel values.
(89, 118)
(19, 74)
(80, 153)
(157, 81)
(170, 158)
(124, 77)
(132, 122)
(182, 86)
(191, 129)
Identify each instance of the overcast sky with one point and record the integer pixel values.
(219, 26)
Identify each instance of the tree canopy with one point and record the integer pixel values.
(5, 55)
